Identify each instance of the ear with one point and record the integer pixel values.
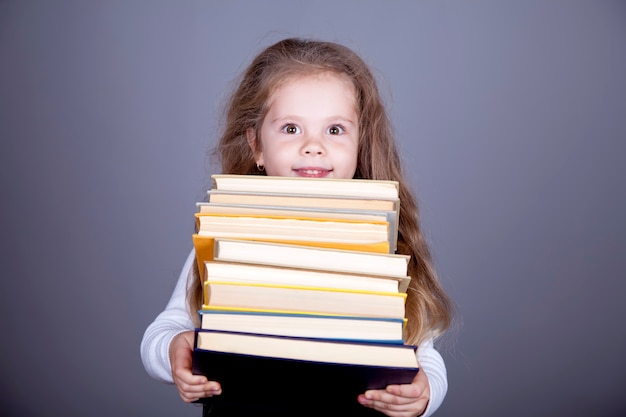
(254, 145)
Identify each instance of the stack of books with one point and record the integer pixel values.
(304, 296)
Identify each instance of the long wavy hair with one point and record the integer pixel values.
(429, 310)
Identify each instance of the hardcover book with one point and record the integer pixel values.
(268, 385)
(293, 228)
(297, 324)
(302, 200)
(363, 215)
(278, 275)
(300, 256)
(304, 296)
(300, 185)
(292, 298)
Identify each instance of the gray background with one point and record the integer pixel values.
(511, 116)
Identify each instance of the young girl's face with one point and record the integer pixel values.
(311, 128)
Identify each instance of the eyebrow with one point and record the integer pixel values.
(332, 119)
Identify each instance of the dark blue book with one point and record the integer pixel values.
(278, 375)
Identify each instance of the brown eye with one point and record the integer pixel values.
(335, 130)
(291, 129)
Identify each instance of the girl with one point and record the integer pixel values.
(308, 108)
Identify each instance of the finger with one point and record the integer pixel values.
(195, 392)
(415, 389)
(411, 391)
(398, 410)
(186, 377)
(207, 386)
(382, 396)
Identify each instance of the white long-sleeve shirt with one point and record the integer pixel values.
(175, 319)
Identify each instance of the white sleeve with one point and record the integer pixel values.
(170, 322)
(433, 365)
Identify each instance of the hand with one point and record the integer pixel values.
(408, 400)
(190, 387)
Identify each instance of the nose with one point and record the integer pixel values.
(313, 145)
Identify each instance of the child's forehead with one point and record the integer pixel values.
(300, 78)
(296, 81)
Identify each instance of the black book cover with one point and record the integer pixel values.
(271, 386)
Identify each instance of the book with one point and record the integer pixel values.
(390, 217)
(301, 200)
(380, 189)
(379, 330)
(311, 300)
(293, 228)
(297, 256)
(254, 378)
(276, 275)
(360, 214)
(205, 249)
(302, 291)
(386, 355)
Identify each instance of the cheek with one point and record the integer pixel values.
(277, 159)
(354, 153)
(347, 163)
(355, 160)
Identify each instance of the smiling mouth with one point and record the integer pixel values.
(312, 172)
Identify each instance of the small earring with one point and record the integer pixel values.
(260, 167)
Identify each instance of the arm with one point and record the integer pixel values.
(420, 398)
(174, 320)
(168, 342)
(434, 367)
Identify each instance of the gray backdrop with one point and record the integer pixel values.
(511, 116)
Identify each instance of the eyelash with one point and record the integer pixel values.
(285, 128)
(341, 129)
(288, 126)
